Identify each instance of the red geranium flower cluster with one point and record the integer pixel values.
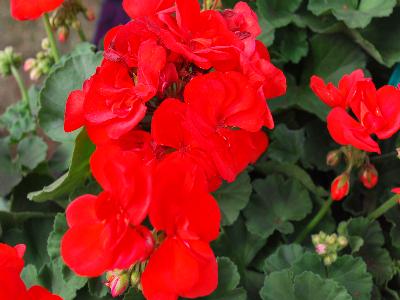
(376, 111)
(198, 80)
(11, 284)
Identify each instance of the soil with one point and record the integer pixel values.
(26, 38)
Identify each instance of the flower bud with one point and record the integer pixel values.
(316, 239)
(117, 282)
(35, 74)
(62, 34)
(135, 279)
(333, 158)
(89, 14)
(328, 261)
(9, 59)
(320, 249)
(29, 64)
(45, 44)
(342, 241)
(340, 187)
(331, 240)
(369, 176)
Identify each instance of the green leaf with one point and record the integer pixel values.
(56, 277)
(54, 241)
(393, 216)
(97, 287)
(283, 258)
(277, 202)
(322, 24)
(18, 120)
(233, 197)
(61, 81)
(356, 14)
(278, 12)
(267, 35)
(133, 294)
(32, 150)
(29, 275)
(75, 177)
(287, 145)
(238, 244)
(306, 286)
(10, 173)
(293, 44)
(311, 286)
(366, 240)
(228, 281)
(384, 48)
(33, 232)
(347, 271)
(279, 285)
(291, 171)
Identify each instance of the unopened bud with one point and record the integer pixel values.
(328, 261)
(333, 158)
(342, 241)
(369, 176)
(117, 283)
(9, 59)
(315, 238)
(45, 44)
(63, 34)
(35, 74)
(76, 24)
(320, 249)
(340, 187)
(135, 279)
(89, 14)
(331, 240)
(29, 64)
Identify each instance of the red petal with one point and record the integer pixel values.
(346, 131)
(82, 211)
(389, 104)
(30, 10)
(138, 8)
(74, 116)
(178, 268)
(11, 286)
(10, 258)
(39, 293)
(87, 250)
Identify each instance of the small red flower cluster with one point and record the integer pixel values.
(198, 80)
(30, 10)
(377, 111)
(11, 284)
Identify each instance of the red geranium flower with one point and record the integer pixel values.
(112, 102)
(225, 114)
(32, 9)
(184, 265)
(11, 284)
(337, 96)
(376, 110)
(105, 231)
(396, 190)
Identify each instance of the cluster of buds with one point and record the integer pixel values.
(328, 246)
(9, 59)
(43, 62)
(118, 281)
(66, 17)
(354, 158)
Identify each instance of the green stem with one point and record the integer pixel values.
(52, 40)
(20, 82)
(392, 202)
(315, 221)
(82, 34)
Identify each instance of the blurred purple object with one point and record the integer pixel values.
(111, 15)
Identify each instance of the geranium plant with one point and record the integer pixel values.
(207, 149)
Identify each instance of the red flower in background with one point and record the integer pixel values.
(376, 110)
(337, 96)
(140, 8)
(32, 9)
(11, 284)
(396, 190)
(105, 231)
(184, 265)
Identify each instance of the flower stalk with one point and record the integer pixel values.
(20, 82)
(51, 37)
(315, 221)
(381, 210)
